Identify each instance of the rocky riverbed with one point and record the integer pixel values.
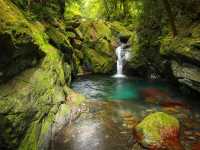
(109, 126)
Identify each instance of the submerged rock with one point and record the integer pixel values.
(159, 130)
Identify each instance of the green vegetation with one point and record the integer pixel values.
(44, 44)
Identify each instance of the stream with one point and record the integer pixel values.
(116, 105)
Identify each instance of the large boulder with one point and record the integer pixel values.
(159, 131)
(187, 74)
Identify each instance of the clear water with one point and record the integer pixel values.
(103, 125)
(107, 88)
(99, 87)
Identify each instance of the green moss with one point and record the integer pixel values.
(32, 137)
(93, 30)
(36, 96)
(58, 38)
(104, 47)
(118, 29)
(98, 62)
(152, 125)
(183, 45)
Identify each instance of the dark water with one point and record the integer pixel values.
(105, 126)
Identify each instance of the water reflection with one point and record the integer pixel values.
(108, 88)
(123, 90)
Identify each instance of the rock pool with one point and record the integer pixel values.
(116, 106)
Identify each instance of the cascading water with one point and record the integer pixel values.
(120, 61)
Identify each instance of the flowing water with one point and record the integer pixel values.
(120, 61)
(114, 106)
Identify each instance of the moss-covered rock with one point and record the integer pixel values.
(18, 50)
(181, 46)
(183, 52)
(36, 102)
(98, 52)
(119, 30)
(158, 130)
(97, 63)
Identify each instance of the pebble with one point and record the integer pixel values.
(123, 132)
(170, 109)
(124, 125)
(197, 116)
(197, 134)
(187, 132)
(126, 115)
(107, 136)
(150, 110)
(191, 138)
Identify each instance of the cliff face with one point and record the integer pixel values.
(35, 100)
(183, 50)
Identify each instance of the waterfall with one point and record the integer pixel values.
(120, 61)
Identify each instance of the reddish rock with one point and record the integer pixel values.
(158, 131)
(196, 146)
(173, 103)
(155, 94)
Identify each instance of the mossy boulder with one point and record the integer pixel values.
(158, 131)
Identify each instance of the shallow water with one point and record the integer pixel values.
(113, 108)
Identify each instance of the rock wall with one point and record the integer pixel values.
(158, 52)
(35, 100)
(183, 50)
(184, 54)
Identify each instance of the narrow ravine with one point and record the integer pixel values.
(99, 74)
